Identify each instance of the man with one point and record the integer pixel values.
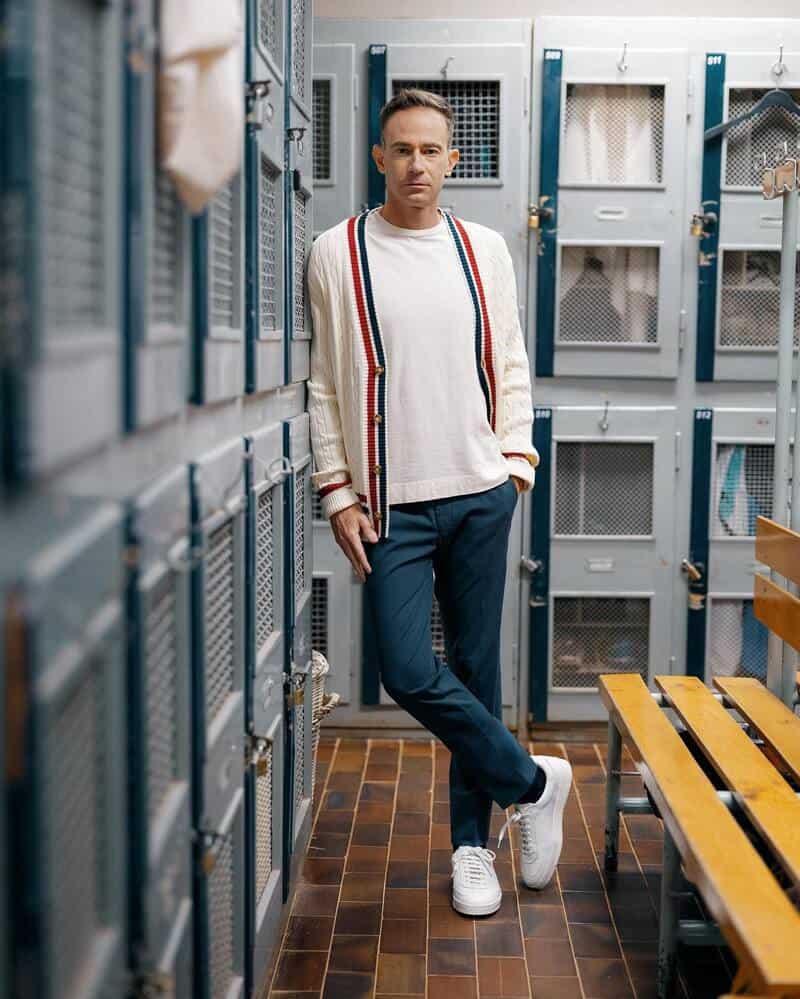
(421, 417)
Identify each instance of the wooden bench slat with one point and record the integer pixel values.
(778, 726)
(779, 548)
(778, 609)
(757, 786)
(755, 915)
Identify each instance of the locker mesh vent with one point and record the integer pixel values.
(742, 488)
(608, 294)
(750, 299)
(165, 262)
(264, 827)
(316, 506)
(265, 555)
(594, 635)
(765, 133)
(268, 28)
(604, 489)
(270, 234)
(219, 623)
(613, 134)
(319, 614)
(161, 665)
(223, 257)
(299, 262)
(299, 46)
(737, 640)
(73, 831)
(300, 532)
(221, 920)
(299, 756)
(476, 123)
(321, 116)
(71, 162)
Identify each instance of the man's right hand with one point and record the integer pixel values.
(349, 526)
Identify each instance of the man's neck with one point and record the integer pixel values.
(410, 218)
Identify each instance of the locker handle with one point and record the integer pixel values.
(611, 213)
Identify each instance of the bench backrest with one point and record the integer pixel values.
(779, 548)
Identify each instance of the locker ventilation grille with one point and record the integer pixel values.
(223, 257)
(737, 640)
(319, 614)
(594, 635)
(299, 49)
(608, 294)
(613, 134)
(265, 555)
(299, 262)
(316, 506)
(219, 598)
(299, 756)
(221, 922)
(765, 133)
(476, 123)
(742, 488)
(300, 532)
(268, 28)
(750, 299)
(270, 233)
(165, 259)
(70, 162)
(604, 489)
(264, 827)
(321, 116)
(161, 665)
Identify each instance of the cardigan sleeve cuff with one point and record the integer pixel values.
(521, 467)
(337, 498)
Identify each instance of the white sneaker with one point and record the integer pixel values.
(541, 823)
(476, 890)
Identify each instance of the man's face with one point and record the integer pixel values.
(414, 156)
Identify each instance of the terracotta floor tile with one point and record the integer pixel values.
(300, 970)
(344, 782)
(441, 813)
(502, 978)
(411, 780)
(604, 979)
(347, 763)
(549, 958)
(309, 933)
(440, 837)
(556, 988)
(441, 862)
(579, 877)
(508, 911)
(328, 845)
(408, 847)
(371, 834)
(403, 936)
(402, 973)
(413, 801)
(379, 794)
(335, 801)
(367, 859)
(405, 903)
(440, 890)
(381, 772)
(451, 987)
(498, 939)
(421, 748)
(411, 824)
(451, 956)
(315, 900)
(407, 874)
(371, 812)
(358, 917)
(586, 907)
(340, 985)
(323, 872)
(362, 888)
(577, 850)
(334, 822)
(446, 922)
(544, 921)
(594, 940)
(354, 953)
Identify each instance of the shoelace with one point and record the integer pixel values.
(475, 864)
(528, 841)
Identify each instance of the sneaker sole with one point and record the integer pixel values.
(487, 909)
(561, 803)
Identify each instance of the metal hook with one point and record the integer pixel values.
(779, 67)
(622, 65)
(603, 423)
(283, 472)
(443, 70)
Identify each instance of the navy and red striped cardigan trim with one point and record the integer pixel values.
(372, 343)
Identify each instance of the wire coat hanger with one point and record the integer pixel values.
(775, 98)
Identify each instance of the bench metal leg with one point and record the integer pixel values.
(614, 765)
(668, 918)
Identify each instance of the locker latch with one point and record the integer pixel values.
(539, 213)
(695, 573)
(295, 134)
(257, 110)
(256, 754)
(155, 985)
(532, 565)
(704, 222)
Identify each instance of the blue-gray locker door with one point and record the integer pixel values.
(159, 735)
(264, 157)
(217, 500)
(266, 651)
(738, 260)
(63, 198)
(333, 125)
(610, 149)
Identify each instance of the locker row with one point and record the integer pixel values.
(163, 713)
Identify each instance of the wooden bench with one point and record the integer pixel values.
(752, 910)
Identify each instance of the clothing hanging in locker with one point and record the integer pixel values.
(609, 136)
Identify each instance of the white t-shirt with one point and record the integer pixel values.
(440, 441)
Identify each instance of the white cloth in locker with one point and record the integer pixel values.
(201, 106)
(731, 506)
(725, 638)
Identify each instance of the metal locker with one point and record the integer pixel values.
(298, 545)
(608, 216)
(264, 159)
(333, 124)
(65, 654)
(157, 259)
(159, 737)
(218, 296)
(601, 584)
(739, 250)
(217, 498)
(61, 178)
(265, 657)
(733, 461)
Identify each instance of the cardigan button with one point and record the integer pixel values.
(378, 369)
(377, 418)
(377, 515)
(376, 469)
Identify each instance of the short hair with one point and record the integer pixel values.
(413, 97)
